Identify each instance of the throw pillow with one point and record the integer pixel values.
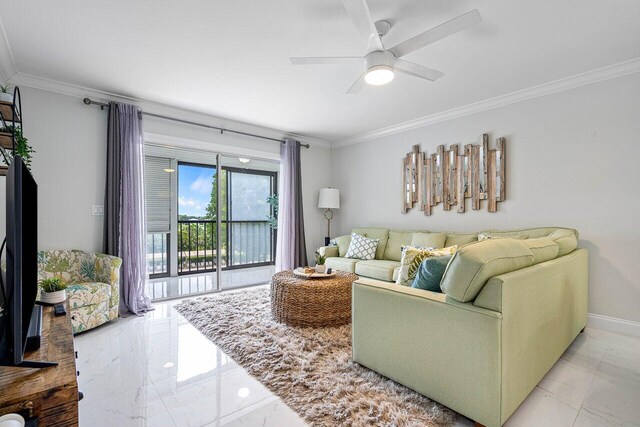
(413, 257)
(430, 273)
(362, 247)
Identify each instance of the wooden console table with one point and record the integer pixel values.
(49, 394)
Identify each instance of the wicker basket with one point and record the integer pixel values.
(311, 302)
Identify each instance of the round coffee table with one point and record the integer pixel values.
(311, 302)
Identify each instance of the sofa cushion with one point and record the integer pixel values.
(396, 273)
(543, 249)
(566, 238)
(413, 257)
(328, 251)
(430, 273)
(485, 235)
(473, 265)
(428, 240)
(343, 244)
(460, 239)
(377, 269)
(382, 234)
(397, 239)
(342, 264)
(531, 233)
(88, 293)
(362, 247)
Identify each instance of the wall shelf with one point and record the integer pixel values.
(10, 119)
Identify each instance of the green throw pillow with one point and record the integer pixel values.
(430, 273)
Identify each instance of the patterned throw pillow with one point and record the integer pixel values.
(362, 247)
(413, 257)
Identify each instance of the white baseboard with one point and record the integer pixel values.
(612, 324)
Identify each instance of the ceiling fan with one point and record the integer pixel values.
(380, 64)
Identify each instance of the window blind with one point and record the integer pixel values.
(158, 194)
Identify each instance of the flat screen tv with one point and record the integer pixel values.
(20, 279)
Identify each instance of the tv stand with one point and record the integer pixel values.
(48, 395)
(34, 338)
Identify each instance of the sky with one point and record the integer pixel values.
(194, 189)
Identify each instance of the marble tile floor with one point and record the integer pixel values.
(199, 283)
(158, 370)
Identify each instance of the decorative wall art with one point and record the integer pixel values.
(452, 176)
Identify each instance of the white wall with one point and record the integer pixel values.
(573, 160)
(69, 166)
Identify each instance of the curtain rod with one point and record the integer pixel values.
(89, 101)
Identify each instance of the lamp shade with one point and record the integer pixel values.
(329, 198)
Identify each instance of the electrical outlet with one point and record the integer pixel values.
(97, 210)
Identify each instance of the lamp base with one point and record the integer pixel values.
(327, 240)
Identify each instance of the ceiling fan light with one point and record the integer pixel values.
(379, 75)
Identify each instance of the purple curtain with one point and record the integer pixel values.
(290, 246)
(125, 205)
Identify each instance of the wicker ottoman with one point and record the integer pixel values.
(311, 302)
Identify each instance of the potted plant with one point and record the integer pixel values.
(22, 149)
(5, 94)
(53, 290)
(320, 260)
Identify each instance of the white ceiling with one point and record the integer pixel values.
(230, 58)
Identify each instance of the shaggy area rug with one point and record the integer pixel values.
(308, 368)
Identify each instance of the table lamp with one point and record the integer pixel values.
(329, 199)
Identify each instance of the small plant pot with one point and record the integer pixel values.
(53, 297)
(321, 268)
(6, 97)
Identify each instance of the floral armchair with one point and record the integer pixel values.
(93, 284)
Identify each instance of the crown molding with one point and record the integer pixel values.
(561, 85)
(7, 63)
(81, 92)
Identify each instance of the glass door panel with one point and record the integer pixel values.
(247, 205)
(188, 253)
(196, 218)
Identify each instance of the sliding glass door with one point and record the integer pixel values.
(197, 231)
(217, 231)
(250, 238)
(249, 203)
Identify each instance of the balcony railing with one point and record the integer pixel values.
(242, 244)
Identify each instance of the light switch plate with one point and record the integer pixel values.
(97, 210)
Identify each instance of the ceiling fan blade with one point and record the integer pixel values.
(357, 85)
(417, 70)
(437, 33)
(358, 11)
(309, 60)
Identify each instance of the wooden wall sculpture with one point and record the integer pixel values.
(452, 176)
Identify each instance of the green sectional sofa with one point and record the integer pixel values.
(510, 307)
